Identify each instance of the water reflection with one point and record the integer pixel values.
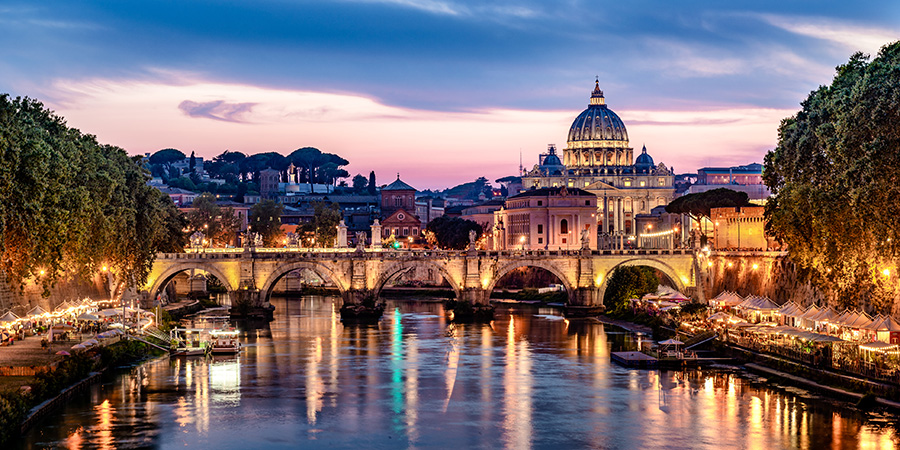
(529, 379)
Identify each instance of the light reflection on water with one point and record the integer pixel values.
(529, 379)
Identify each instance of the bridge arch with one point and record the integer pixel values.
(284, 269)
(666, 269)
(503, 271)
(389, 271)
(163, 279)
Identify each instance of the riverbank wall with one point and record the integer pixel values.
(21, 299)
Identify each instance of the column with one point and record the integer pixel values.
(615, 219)
(605, 216)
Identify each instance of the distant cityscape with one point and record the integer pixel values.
(625, 196)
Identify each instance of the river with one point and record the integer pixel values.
(531, 379)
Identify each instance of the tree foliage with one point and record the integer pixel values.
(451, 232)
(218, 224)
(701, 203)
(265, 219)
(71, 205)
(167, 156)
(359, 183)
(627, 282)
(834, 179)
(326, 217)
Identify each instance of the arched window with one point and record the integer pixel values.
(564, 226)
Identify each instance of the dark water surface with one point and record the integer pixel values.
(529, 380)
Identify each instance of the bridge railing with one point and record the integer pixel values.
(353, 253)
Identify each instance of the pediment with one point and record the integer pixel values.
(600, 186)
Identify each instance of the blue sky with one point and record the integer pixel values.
(441, 91)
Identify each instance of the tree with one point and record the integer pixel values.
(699, 205)
(71, 205)
(326, 218)
(167, 156)
(359, 183)
(218, 224)
(265, 219)
(627, 282)
(451, 232)
(371, 186)
(834, 181)
(308, 159)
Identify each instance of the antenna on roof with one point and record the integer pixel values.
(521, 170)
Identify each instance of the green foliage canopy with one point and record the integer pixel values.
(219, 224)
(452, 232)
(326, 217)
(265, 219)
(627, 282)
(835, 180)
(71, 205)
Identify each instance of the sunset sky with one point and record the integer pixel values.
(440, 91)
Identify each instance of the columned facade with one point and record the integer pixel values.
(599, 159)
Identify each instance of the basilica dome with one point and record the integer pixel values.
(644, 162)
(598, 123)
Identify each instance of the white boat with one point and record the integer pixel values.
(225, 341)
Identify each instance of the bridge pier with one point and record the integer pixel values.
(586, 296)
(474, 296)
(356, 296)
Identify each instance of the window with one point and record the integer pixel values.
(571, 184)
(540, 228)
(540, 203)
(627, 183)
(540, 240)
(662, 181)
(587, 203)
(415, 231)
(398, 201)
(396, 232)
(643, 183)
(387, 232)
(406, 231)
(400, 216)
(563, 226)
(564, 240)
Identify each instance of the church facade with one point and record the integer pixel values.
(598, 158)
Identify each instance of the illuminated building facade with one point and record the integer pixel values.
(598, 159)
(554, 218)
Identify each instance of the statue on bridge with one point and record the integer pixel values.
(197, 239)
(254, 239)
(585, 239)
(473, 236)
(360, 241)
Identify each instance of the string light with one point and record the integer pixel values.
(658, 234)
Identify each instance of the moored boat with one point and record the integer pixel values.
(225, 341)
(189, 341)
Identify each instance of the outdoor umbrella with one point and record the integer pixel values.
(36, 311)
(64, 353)
(89, 317)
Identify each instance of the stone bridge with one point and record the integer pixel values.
(251, 274)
